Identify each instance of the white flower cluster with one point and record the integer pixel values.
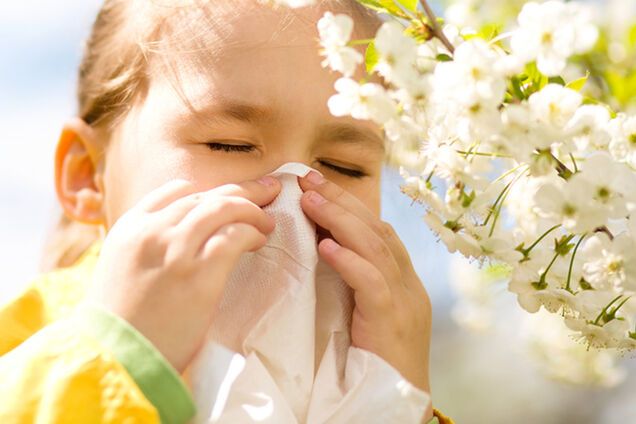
(335, 33)
(544, 337)
(542, 35)
(514, 165)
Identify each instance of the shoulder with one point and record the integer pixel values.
(62, 289)
(47, 297)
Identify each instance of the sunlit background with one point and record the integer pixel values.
(477, 378)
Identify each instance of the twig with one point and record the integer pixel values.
(437, 30)
(564, 171)
(605, 230)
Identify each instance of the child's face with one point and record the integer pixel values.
(267, 92)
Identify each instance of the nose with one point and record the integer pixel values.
(300, 170)
(297, 168)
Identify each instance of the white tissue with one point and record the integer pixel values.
(280, 351)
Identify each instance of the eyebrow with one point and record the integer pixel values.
(345, 133)
(341, 132)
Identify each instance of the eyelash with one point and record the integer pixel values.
(245, 149)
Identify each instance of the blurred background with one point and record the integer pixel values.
(488, 376)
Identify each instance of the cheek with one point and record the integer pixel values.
(369, 194)
(374, 203)
(133, 170)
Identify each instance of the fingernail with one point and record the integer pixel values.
(330, 245)
(267, 181)
(315, 178)
(316, 198)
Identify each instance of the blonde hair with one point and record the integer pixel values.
(116, 67)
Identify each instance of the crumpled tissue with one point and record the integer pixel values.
(279, 349)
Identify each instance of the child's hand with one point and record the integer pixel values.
(392, 317)
(165, 262)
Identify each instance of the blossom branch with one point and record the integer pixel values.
(507, 110)
(437, 30)
(605, 230)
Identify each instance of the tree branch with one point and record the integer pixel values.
(437, 30)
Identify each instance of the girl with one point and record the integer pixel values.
(182, 107)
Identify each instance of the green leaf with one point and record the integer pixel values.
(443, 57)
(467, 199)
(585, 285)
(535, 81)
(622, 86)
(486, 32)
(469, 36)
(490, 31)
(632, 36)
(373, 4)
(384, 6)
(579, 83)
(616, 83)
(533, 72)
(371, 57)
(556, 80)
(409, 4)
(517, 90)
(590, 101)
(563, 246)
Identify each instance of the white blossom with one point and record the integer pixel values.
(366, 101)
(428, 52)
(417, 188)
(552, 31)
(607, 183)
(552, 108)
(605, 335)
(396, 55)
(471, 76)
(537, 285)
(454, 240)
(623, 139)
(589, 127)
(335, 32)
(567, 203)
(611, 264)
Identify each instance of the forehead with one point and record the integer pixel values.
(254, 56)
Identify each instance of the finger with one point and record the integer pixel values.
(209, 216)
(336, 194)
(225, 247)
(352, 233)
(165, 194)
(372, 293)
(258, 193)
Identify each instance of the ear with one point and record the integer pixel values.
(78, 184)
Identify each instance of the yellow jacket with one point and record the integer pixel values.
(65, 361)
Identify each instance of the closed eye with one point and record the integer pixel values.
(353, 173)
(345, 171)
(229, 147)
